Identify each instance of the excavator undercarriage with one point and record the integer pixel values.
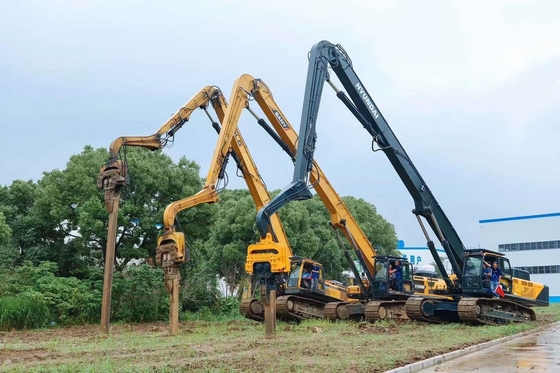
(471, 310)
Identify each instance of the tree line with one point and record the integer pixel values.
(53, 235)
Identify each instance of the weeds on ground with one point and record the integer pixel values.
(23, 313)
(240, 345)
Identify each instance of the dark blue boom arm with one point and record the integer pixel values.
(365, 110)
(298, 189)
(360, 103)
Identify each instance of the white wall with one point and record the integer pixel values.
(494, 232)
(533, 257)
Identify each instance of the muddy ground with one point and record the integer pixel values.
(241, 346)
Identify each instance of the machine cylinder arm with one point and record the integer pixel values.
(230, 142)
(168, 130)
(340, 216)
(324, 55)
(298, 189)
(114, 174)
(229, 116)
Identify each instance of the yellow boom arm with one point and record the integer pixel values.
(229, 141)
(113, 175)
(340, 215)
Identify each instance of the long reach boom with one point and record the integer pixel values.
(471, 301)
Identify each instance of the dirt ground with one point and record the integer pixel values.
(241, 346)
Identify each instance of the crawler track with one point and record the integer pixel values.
(480, 311)
(381, 310)
(331, 311)
(424, 309)
(294, 308)
(344, 311)
(288, 308)
(252, 309)
(493, 311)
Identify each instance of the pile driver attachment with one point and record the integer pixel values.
(113, 176)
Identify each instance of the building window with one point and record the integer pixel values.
(522, 246)
(540, 270)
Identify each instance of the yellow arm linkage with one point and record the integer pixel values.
(113, 175)
(170, 127)
(340, 215)
(229, 141)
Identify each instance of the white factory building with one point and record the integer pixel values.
(529, 242)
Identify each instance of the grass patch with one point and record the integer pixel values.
(240, 345)
(23, 313)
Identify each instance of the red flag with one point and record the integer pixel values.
(499, 291)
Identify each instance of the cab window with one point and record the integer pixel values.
(294, 277)
(381, 271)
(504, 266)
(407, 270)
(473, 266)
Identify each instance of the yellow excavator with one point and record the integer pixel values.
(371, 297)
(113, 175)
(296, 301)
(171, 250)
(171, 246)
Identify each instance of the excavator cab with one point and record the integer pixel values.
(384, 284)
(474, 281)
(300, 276)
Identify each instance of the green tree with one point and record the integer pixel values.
(73, 221)
(17, 202)
(5, 231)
(199, 287)
(232, 232)
(8, 253)
(378, 230)
(311, 236)
(306, 224)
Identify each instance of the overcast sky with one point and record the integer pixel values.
(471, 89)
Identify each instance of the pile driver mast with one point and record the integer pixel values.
(113, 176)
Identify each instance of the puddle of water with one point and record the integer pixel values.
(536, 353)
(528, 344)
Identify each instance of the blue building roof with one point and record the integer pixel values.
(525, 217)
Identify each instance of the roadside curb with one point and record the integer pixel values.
(440, 359)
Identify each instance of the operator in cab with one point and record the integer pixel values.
(315, 277)
(397, 272)
(496, 278)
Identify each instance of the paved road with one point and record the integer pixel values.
(539, 352)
